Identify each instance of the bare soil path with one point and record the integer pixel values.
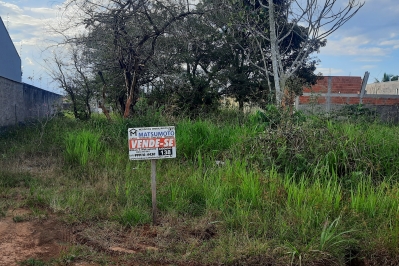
(23, 238)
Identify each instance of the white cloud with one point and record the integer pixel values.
(10, 8)
(42, 10)
(353, 46)
(29, 25)
(393, 43)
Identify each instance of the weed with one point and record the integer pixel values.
(80, 147)
(133, 216)
(297, 254)
(18, 219)
(332, 240)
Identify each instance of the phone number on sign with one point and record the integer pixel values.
(145, 154)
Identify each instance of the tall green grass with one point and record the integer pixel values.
(315, 187)
(82, 146)
(209, 138)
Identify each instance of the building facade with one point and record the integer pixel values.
(10, 62)
(390, 88)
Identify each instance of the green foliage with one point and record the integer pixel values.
(205, 136)
(387, 78)
(374, 201)
(198, 99)
(325, 145)
(18, 219)
(282, 184)
(273, 116)
(357, 112)
(133, 216)
(82, 147)
(211, 59)
(331, 238)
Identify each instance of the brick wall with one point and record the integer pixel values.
(331, 86)
(340, 90)
(333, 93)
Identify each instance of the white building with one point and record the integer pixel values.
(389, 87)
(10, 62)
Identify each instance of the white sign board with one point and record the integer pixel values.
(147, 143)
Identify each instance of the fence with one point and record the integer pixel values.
(333, 93)
(20, 102)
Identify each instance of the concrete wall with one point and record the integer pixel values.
(20, 102)
(333, 93)
(388, 113)
(10, 62)
(391, 87)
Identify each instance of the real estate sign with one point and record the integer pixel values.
(148, 143)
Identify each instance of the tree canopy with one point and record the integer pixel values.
(184, 55)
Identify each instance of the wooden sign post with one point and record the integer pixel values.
(152, 143)
(154, 190)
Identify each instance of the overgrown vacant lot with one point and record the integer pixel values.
(243, 190)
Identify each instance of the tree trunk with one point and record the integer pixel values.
(105, 111)
(132, 84)
(102, 104)
(121, 101)
(75, 108)
(274, 47)
(87, 103)
(240, 105)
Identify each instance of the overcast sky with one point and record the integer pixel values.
(368, 42)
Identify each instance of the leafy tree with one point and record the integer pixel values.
(311, 21)
(387, 78)
(216, 56)
(197, 55)
(186, 57)
(207, 64)
(125, 34)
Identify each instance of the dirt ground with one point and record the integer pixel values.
(22, 238)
